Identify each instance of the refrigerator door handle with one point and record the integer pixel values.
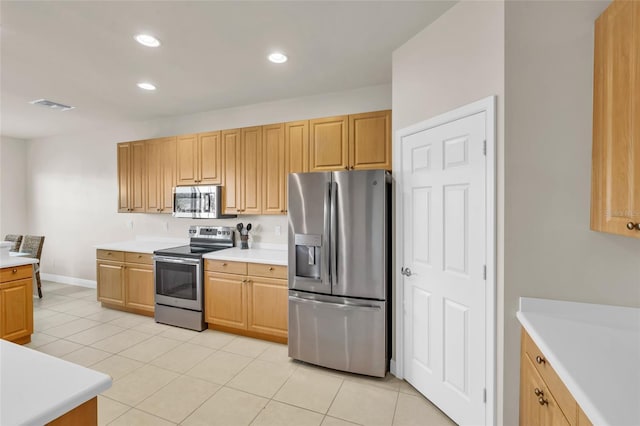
(337, 305)
(325, 275)
(334, 234)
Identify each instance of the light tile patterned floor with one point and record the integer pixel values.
(164, 375)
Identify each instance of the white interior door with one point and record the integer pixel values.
(444, 234)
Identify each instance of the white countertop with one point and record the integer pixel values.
(7, 262)
(36, 388)
(144, 245)
(595, 349)
(252, 255)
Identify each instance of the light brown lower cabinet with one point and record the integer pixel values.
(247, 298)
(125, 281)
(544, 399)
(16, 303)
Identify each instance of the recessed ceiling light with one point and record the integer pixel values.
(146, 86)
(147, 40)
(278, 58)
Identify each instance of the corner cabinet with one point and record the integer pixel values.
(544, 399)
(125, 281)
(247, 298)
(615, 186)
(16, 303)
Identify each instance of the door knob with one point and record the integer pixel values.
(406, 272)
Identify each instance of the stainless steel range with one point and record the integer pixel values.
(178, 276)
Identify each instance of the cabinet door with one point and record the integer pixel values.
(615, 198)
(153, 176)
(267, 305)
(139, 288)
(328, 143)
(273, 170)
(251, 166)
(225, 300)
(168, 164)
(124, 167)
(297, 146)
(231, 170)
(210, 172)
(16, 308)
(537, 405)
(137, 175)
(187, 160)
(110, 280)
(370, 140)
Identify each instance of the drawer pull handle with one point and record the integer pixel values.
(109, 254)
(543, 401)
(538, 392)
(540, 360)
(139, 256)
(224, 264)
(15, 271)
(271, 268)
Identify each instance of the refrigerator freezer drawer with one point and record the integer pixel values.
(340, 333)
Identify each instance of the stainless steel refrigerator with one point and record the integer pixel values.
(339, 270)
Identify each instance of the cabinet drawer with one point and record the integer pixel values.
(110, 255)
(268, 271)
(560, 392)
(132, 257)
(225, 266)
(15, 273)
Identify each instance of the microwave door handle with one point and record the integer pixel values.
(207, 203)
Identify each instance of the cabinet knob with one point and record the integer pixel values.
(542, 401)
(631, 226)
(540, 360)
(15, 271)
(139, 256)
(271, 268)
(281, 211)
(346, 167)
(538, 392)
(224, 264)
(351, 167)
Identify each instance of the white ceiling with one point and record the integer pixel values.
(213, 55)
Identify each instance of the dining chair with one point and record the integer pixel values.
(15, 239)
(33, 245)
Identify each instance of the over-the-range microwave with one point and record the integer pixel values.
(198, 202)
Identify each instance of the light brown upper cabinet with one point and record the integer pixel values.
(251, 171)
(370, 140)
(273, 169)
(615, 185)
(198, 159)
(296, 140)
(131, 177)
(328, 144)
(161, 174)
(231, 156)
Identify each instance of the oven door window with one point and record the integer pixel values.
(177, 280)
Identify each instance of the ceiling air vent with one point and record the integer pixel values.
(52, 105)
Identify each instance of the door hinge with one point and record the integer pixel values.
(484, 395)
(484, 147)
(484, 272)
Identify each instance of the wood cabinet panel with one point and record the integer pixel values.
(225, 266)
(187, 159)
(615, 197)
(139, 289)
(226, 301)
(16, 308)
(328, 144)
(267, 271)
(267, 306)
(15, 273)
(154, 175)
(210, 158)
(273, 170)
(297, 146)
(113, 255)
(124, 167)
(231, 156)
(133, 257)
(138, 177)
(251, 166)
(369, 140)
(168, 176)
(537, 404)
(110, 280)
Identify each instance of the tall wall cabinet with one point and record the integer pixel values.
(615, 189)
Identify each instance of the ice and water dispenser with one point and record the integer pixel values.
(308, 255)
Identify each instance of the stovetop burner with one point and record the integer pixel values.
(204, 239)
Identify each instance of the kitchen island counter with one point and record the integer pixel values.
(36, 388)
(594, 349)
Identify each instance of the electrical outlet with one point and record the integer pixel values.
(277, 231)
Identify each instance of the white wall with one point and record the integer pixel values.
(456, 60)
(13, 186)
(549, 250)
(72, 191)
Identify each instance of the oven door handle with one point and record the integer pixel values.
(176, 260)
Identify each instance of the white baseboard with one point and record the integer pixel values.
(68, 280)
(392, 367)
